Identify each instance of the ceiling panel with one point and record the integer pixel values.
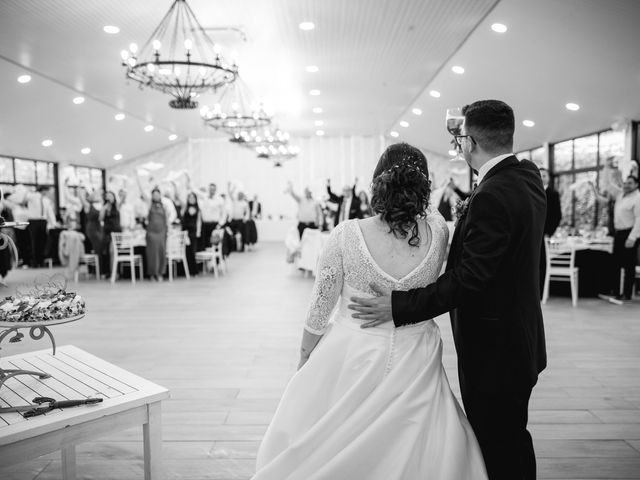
(374, 59)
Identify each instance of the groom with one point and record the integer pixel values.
(491, 288)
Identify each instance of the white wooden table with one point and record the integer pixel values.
(129, 400)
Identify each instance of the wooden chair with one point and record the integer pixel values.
(561, 267)
(177, 252)
(89, 259)
(122, 246)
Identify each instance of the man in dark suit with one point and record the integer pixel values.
(348, 203)
(491, 289)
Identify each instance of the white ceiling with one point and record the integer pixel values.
(377, 60)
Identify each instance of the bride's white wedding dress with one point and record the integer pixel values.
(370, 404)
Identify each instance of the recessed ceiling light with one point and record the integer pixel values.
(148, 128)
(394, 134)
(112, 29)
(317, 110)
(416, 111)
(85, 151)
(24, 78)
(404, 123)
(117, 157)
(528, 123)
(119, 116)
(320, 133)
(572, 106)
(434, 93)
(172, 137)
(311, 68)
(318, 123)
(78, 100)
(499, 27)
(47, 143)
(314, 92)
(307, 26)
(457, 69)
(453, 153)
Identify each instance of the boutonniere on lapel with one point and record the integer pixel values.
(461, 209)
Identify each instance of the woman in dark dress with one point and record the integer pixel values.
(110, 217)
(192, 223)
(92, 227)
(6, 254)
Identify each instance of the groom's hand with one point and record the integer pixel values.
(375, 311)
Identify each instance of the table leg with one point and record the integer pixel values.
(69, 462)
(152, 433)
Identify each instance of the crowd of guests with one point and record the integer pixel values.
(207, 216)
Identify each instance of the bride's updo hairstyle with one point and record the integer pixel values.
(401, 190)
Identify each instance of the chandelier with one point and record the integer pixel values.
(236, 111)
(179, 59)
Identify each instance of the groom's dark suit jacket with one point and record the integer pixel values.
(491, 284)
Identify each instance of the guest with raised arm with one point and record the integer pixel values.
(192, 224)
(110, 220)
(348, 203)
(309, 210)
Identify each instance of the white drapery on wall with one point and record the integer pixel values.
(341, 159)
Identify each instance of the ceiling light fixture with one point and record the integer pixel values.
(394, 134)
(111, 29)
(572, 106)
(416, 111)
(85, 151)
(314, 92)
(179, 59)
(320, 133)
(317, 110)
(119, 116)
(307, 26)
(319, 123)
(117, 157)
(457, 69)
(172, 137)
(24, 78)
(78, 100)
(499, 27)
(528, 123)
(311, 68)
(148, 128)
(453, 153)
(404, 123)
(434, 93)
(47, 143)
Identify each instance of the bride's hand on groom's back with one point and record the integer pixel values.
(373, 311)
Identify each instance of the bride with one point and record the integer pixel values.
(374, 403)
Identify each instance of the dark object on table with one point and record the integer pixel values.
(52, 404)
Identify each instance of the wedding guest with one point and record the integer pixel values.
(554, 213)
(365, 205)
(6, 254)
(239, 215)
(110, 220)
(90, 217)
(160, 216)
(309, 212)
(348, 203)
(127, 212)
(213, 214)
(42, 218)
(17, 203)
(627, 234)
(251, 231)
(192, 224)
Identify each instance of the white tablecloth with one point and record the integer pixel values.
(311, 245)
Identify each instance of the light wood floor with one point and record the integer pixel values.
(227, 347)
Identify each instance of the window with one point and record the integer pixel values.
(576, 167)
(536, 155)
(30, 173)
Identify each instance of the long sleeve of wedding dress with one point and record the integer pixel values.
(328, 285)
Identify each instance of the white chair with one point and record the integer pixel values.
(122, 245)
(177, 251)
(89, 259)
(212, 259)
(561, 267)
(637, 277)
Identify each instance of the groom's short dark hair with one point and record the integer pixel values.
(491, 124)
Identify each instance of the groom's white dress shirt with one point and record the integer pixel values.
(484, 169)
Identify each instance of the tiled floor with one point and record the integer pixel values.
(226, 348)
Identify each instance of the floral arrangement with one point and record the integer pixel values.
(44, 301)
(461, 209)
